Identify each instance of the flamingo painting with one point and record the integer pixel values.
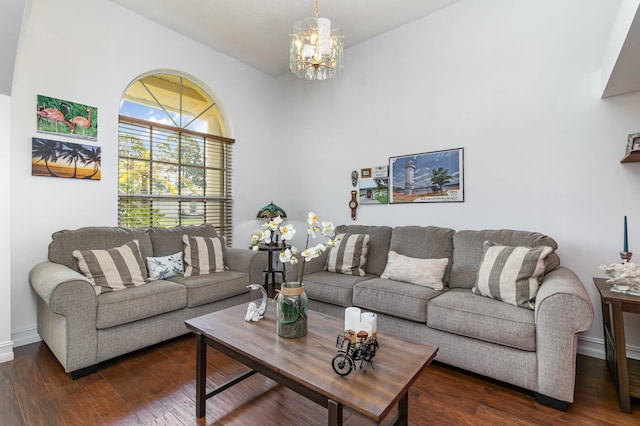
(53, 114)
(82, 122)
(59, 116)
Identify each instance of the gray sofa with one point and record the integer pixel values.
(83, 328)
(533, 349)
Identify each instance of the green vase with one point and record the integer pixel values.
(292, 311)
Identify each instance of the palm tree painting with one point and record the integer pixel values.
(65, 159)
(427, 178)
(58, 116)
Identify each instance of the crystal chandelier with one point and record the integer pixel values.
(316, 49)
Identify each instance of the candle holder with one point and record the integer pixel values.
(625, 256)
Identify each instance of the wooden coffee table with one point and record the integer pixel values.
(304, 364)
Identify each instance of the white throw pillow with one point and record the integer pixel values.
(161, 268)
(424, 272)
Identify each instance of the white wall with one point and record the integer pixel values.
(517, 85)
(6, 345)
(90, 56)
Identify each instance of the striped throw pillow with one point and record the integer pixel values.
(113, 269)
(203, 255)
(511, 274)
(350, 254)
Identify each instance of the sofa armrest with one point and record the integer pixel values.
(66, 314)
(563, 309)
(252, 262)
(62, 288)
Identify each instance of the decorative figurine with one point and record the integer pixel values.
(362, 348)
(253, 312)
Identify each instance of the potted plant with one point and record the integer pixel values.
(292, 311)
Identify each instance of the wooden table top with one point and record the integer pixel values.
(612, 296)
(307, 360)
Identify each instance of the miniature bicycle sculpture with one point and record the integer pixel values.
(360, 350)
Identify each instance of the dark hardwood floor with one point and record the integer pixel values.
(156, 386)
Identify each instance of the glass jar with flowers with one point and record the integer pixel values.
(292, 310)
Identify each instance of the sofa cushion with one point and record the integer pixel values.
(396, 298)
(461, 312)
(167, 241)
(332, 288)
(203, 289)
(511, 274)
(349, 255)
(164, 267)
(424, 242)
(379, 239)
(95, 238)
(133, 304)
(113, 269)
(203, 255)
(468, 248)
(426, 272)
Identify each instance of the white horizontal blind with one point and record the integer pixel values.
(170, 176)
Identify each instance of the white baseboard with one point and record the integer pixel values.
(595, 348)
(6, 351)
(25, 336)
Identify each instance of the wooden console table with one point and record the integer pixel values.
(626, 372)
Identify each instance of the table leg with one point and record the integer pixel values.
(335, 413)
(403, 410)
(621, 358)
(201, 375)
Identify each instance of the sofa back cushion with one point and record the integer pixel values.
(167, 241)
(468, 251)
(424, 242)
(95, 238)
(379, 240)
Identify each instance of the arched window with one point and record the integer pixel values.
(174, 158)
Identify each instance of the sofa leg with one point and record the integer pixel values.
(551, 402)
(83, 372)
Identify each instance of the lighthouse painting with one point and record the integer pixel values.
(428, 177)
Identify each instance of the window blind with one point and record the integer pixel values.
(170, 176)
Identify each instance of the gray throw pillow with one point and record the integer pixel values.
(113, 269)
(511, 274)
(349, 256)
(203, 255)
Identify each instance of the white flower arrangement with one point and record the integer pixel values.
(268, 234)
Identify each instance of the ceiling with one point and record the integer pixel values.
(10, 22)
(256, 32)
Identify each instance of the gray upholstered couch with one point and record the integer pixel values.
(532, 349)
(83, 328)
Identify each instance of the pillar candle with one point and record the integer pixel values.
(371, 318)
(626, 241)
(351, 318)
(364, 326)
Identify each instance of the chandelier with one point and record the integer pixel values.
(316, 49)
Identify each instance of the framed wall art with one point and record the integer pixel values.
(375, 188)
(430, 177)
(65, 159)
(60, 117)
(633, 143)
